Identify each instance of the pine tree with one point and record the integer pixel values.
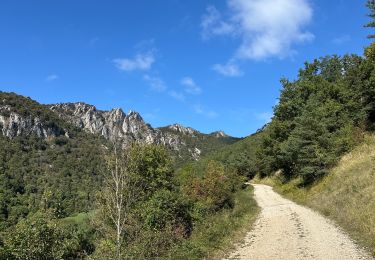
(371, 5)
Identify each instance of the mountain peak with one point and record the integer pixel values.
(219, 134)
(183, 129)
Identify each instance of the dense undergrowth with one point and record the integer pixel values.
(215, 235)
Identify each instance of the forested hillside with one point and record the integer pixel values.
(321, 115)
(80, 183)
(66, 193)
(61, 172)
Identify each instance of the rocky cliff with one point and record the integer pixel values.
(13, 123)
(23, 116)
(115, 125)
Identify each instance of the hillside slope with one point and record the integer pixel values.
(52, 155)
(285, 230)
(345, 195)
(45, 162)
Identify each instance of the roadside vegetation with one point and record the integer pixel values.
(81, 197)
(318, 150)
(346, 194)
(137, 206)
(216, 235)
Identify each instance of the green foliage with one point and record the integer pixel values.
(216, 233)
(344, 195)
(371, 6)
(154, 213)
(239, 156)
(47, 186)
(151, 167)
(370, 52)
(42, 237)
(206, 143)
(166, 208)
(59, 173)
(209, 188)
(319, 117)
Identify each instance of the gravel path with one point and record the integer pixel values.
(285, 230)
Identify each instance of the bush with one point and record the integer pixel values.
(167, 208)
(41, 237)
(214, 190)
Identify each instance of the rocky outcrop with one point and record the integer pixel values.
(115, 125)
(183, 130)
(219, 134)
(23, 116)
(13, 124)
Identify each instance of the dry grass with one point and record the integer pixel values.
(346, 195)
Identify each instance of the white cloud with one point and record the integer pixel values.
(212, 24)
(156, 83)
(176, 95)
(142, 61)
(52, 77)
(229, 70)
(190, 86)
(207, 113)
(267, 28)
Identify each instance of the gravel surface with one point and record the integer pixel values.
(285, 230)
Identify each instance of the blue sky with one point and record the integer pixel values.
(211, 65)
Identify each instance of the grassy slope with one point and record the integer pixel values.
(217, 234)
(346, 195)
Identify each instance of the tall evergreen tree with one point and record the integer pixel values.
(371, 6)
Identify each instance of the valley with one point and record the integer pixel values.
(249, 146)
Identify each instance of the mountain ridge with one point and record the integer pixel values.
(114, 125)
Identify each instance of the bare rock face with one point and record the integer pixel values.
(184, 130)
(219, 134)
(115, 125)
(13, 124)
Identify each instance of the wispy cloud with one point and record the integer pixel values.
(190, 86)
(141, 61)
(266, 28)
(176, 95)
(229, 69)
(213, 24)
(52, 77)
(156, 83)
(205, 112)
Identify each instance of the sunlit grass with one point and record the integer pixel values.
(346, 194)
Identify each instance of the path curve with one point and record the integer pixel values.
(285, 230)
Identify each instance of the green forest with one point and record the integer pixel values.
(79, 196)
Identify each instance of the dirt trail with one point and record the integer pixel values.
(285, 230)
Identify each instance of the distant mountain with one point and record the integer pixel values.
(47, 149)
(49, 121)
(117, 126)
